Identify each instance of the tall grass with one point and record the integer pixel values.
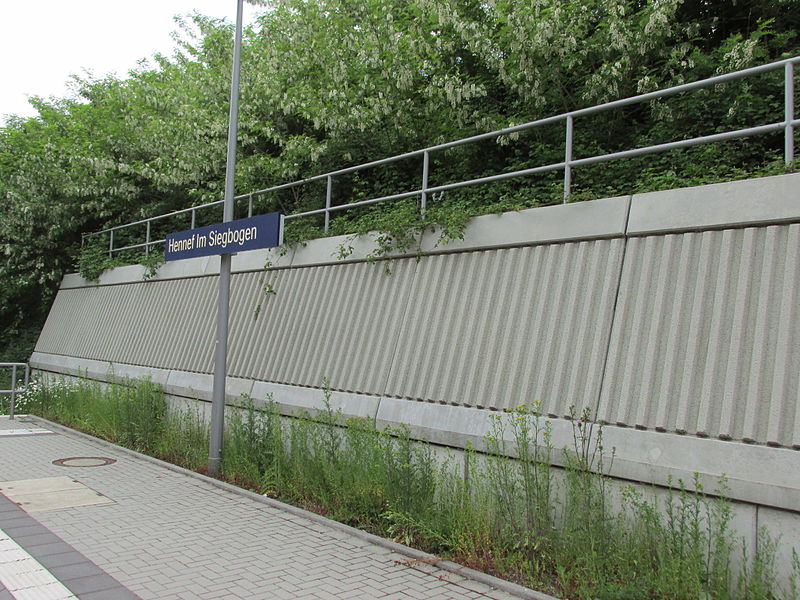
(132, 415)
(567, 531)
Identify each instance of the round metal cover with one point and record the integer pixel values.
(84, 461)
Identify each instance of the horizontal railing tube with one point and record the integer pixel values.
(788, 125)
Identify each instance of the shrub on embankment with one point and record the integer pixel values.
(571, 532)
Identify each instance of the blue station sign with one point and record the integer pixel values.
(253, 233)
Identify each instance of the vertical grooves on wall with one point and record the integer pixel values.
(640, 314)
(552, 337)
(782, 380)
(762, 335)
(650, 355)
(650, 323)
(241, 318)
(501, 329)
(738, 327)
(539, 310)
(517, 340)
(412, 328)
(575, 362)
(142, 317)
(611, 325)
(244, 336)
(341, 310)
(254, 304)
(206, 326)
(395, 343)
(272, 326)
(474, 320)
(718, 334)
(672, 376)
(160, 325)
(604, 305)
(564, 351)
(696, 350)
(291, 358)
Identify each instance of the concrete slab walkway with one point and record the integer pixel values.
(156, 533)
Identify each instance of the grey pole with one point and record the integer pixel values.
(568, 158)
(223, 307)
(328, 192)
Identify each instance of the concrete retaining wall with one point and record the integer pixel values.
(673, 315)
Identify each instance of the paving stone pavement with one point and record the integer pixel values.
(170, 536)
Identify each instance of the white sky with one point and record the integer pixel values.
(43, 42)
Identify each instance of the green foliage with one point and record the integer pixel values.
(132, 413)
(399, 228)
(18, 348)
(184, 439)
(94, 259)
(567, 531)
(328, 83)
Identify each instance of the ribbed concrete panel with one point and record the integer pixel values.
(164, 324)
(64, 329)
(334, 321)
(513, 326)
(706, 338)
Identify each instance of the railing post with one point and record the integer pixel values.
(423, 203)
(328, 194)
(193, 219)
(111, 244)
(568, 159)
(13, 392)
(250, 205)
(788, 146)
(147, 241)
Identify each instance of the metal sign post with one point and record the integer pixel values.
(223, 307)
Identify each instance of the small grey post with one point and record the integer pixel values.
(423, 201)
(568, 158)
(13, 392)
(328, 193)
(223, 307)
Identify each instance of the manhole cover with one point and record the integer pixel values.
(84, 461)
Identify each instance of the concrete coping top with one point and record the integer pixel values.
(763, 201)
(565, 222)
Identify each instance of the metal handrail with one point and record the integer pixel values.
(787, 124)
(14, 389)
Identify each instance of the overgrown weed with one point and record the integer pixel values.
(566, 530)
